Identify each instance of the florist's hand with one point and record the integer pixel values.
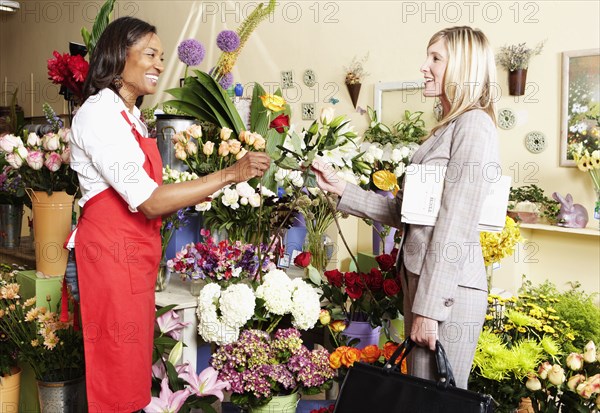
(327, 178)
(250, 165)
(424, 331)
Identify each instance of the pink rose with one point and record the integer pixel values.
(65, 157)
(9, 142)
(53, 161)
(35, 160)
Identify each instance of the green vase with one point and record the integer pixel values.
(279, 404)
(315, 244)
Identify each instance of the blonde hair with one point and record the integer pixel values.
(470, 77)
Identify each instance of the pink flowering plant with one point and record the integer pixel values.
(176, 387)
(259, 366)
(42, 161)
(222, 262)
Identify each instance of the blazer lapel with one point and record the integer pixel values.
(428, 145)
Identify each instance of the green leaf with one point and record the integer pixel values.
(102, 20)
(258, 112)
(287, 162)
(165, 341)
(314, 275)
(165, 309)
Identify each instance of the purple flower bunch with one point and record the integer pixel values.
(224, 261)
(191, 52)
(12, 190)
(259, 367)
(228, 41)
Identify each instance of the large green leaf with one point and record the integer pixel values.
(217, 91)
(189, 102)
(258, 113)
(102, 20)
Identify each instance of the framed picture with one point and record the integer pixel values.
(284, 261)
(580, 117)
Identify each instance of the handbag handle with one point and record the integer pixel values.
(444, 370)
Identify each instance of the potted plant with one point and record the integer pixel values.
(515, 59)
(355, 73)
(528, 203)
(10, 373)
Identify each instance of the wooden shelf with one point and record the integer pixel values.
(591, 231)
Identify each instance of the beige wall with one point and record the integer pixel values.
(325, 36)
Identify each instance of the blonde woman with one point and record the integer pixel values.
(443, 275)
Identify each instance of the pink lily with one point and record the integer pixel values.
(159, 372)
(206, 383)
(169, 323)
(167, 402)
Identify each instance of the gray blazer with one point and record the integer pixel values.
(448, 254)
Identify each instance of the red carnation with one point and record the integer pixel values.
(280, 122)
(385, 261)
(391, 288)
(302, 260)
(354, 291)
(335, 278)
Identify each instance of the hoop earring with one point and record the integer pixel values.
(118, 82)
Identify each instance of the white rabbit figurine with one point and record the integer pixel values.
(570, 215)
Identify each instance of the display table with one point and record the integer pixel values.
(178, 292)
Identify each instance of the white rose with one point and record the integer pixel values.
(281, 174)
(575, 361)
(9, 142)
(589, 352)
(327, 115)
(225, 133)
(195, 131)
(33, 140)
(556, 375)
(244, 189)
(230, 198)
(14, 160)
(533, 383)
(64, 134)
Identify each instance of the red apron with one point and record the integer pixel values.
(118, 254)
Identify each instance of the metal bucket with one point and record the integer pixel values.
(62, 396)
(166, 127)
(11, 217)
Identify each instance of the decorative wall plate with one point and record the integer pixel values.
(535, 142)
(287, 79)
(308, 111)
(507, 118)
(309, 78)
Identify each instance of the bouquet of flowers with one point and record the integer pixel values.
(12, 191)
(176, 387)
(70, 72)
(374, 296)
(52, 347)
(576, 388)
(262, 304)
(519, 333)
(222, 262)
(43, 162)
(259, 367)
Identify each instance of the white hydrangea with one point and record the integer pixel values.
(306, 305)
(276, 290)
(237, 305)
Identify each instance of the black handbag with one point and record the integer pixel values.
(368, 388)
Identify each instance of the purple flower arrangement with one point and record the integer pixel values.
(224, 262)
(228, 41)
(259, 367)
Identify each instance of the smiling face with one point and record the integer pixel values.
(143, 66)
(433, 70)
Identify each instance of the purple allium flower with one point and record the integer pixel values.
(191, 52)
(228, 41)
(226, 81)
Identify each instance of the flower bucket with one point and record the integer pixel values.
(279, 404)
(11, 217)
(362, 331)
(62, 396)
(166, 127)
(517, 80)
(163, 277)
(52, 217)
(9, 391)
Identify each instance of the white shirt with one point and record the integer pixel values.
(104, 152)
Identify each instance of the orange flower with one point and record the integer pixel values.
(370, 354)
(350, 356)
(335, 360)
(388, 349)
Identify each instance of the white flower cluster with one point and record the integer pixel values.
(239, 194)
(171, 176)
(236, 304)
(283, 295)
(390, 157)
